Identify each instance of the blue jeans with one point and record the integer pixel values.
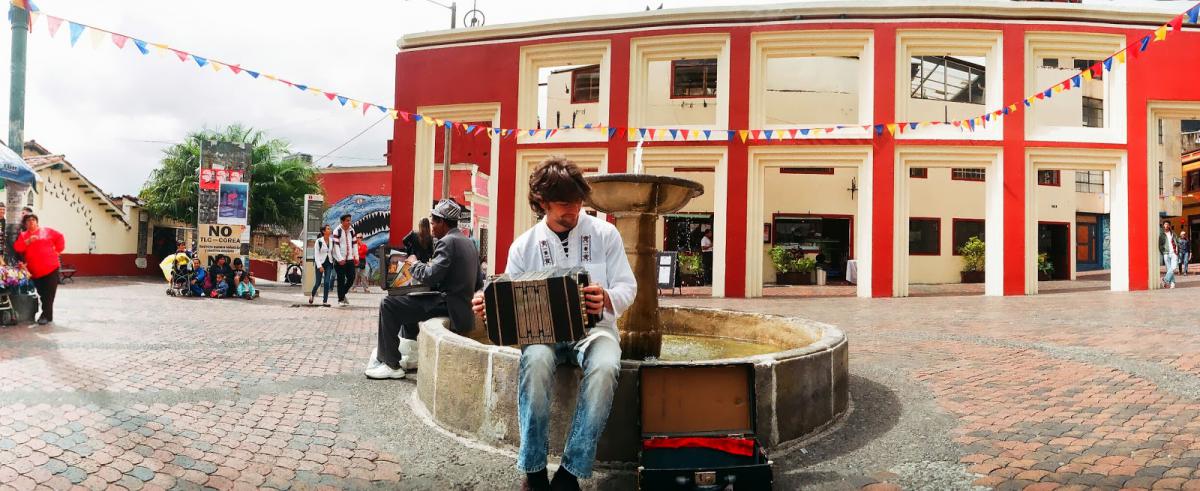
(1170, 261)
(601, 363)
(323, 279)
(1183, 261)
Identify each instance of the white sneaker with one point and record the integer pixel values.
(1172, 285)
(383, 372)
(374, 361)
(408, 354)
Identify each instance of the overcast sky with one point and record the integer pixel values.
(113, 111)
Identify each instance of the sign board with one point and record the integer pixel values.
(665, 266)
(215, 239)
(314, 209)
(224, 199)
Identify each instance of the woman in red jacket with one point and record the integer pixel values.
(41, 246)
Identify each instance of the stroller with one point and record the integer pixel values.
(177, 270)
(181, 280)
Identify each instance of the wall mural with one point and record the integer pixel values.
(370, 215)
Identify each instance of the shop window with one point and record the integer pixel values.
(694, 78)
(964, 229)
(1093, 112)
(585, 85)
(1193, 180)
(1089, 181)
(968, 174)
(918, 173)
(1049, 178)
(924, 236)
(949, 79)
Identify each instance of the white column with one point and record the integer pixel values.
(864, 239)
(994, 229)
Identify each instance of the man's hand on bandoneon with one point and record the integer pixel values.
(595, 299)
(477, 304)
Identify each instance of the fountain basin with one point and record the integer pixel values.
(470, 387)
(641, 193)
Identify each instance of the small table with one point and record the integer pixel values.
(852, 271)
(66, 274)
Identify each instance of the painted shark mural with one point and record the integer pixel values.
(370, 215)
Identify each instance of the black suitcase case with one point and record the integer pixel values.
(698, 429)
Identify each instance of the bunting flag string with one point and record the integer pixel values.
(878, 129)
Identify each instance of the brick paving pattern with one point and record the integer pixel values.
(1076, 389)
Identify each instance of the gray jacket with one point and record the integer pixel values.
(454, 271)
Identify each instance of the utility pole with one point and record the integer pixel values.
(16, 94)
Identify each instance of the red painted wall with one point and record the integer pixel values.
(338, 185)
(489, 73)
(267, 270)
(110, 265)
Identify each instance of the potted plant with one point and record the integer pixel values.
(972, 254)
(790, 269)
(691, 269)
(1045, 267)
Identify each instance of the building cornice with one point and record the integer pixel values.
(841, 11)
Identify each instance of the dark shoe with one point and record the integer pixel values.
(564, 481)
(536, 481)
(43, 321)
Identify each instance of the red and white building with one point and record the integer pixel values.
(735, 68)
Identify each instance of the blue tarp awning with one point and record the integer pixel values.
(14, 168)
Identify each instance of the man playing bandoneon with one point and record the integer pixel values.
(566, 237)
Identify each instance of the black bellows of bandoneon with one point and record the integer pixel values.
(537, 307)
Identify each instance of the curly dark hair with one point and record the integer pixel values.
(556, 179)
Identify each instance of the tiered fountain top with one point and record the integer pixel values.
(641, 193)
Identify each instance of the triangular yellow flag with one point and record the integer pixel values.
(742, 134)
(1121, 57)
(818, 131)
(162, 48)
(353, 104)
(314, 90)
(1160, 33)
(394, 114)
(1087, 74)
(215, 66)
(97, 36)
(891, 127)
(1057, 88)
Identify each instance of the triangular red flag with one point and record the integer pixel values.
(652, 132)
(366, 105)
(1041, 95)
(330, 95)
(236, 69)
(403, 115)
(1177, 23)
(685, 133)
(183, 56)
(119, 40)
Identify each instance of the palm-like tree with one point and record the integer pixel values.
(278, 182)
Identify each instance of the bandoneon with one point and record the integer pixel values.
(537, 307)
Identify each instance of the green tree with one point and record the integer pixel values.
(277, 183)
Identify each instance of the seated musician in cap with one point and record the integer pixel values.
(566, 237)
(453, 274)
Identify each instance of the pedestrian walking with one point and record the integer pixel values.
(1185, 252)
(41, 246)
(323, 262)
(1170, 253)
(345, 255)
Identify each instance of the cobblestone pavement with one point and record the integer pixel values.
(133, 389)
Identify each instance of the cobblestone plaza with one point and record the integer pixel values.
(133, 389)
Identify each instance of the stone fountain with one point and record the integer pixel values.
(636, 201)
(801, 368)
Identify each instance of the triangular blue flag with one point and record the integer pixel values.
(381, 108)
(1048, 93)
(76, 31)
(417, 117)
(305, 87)
(342, 100)
(1006, 110)
(532, 132)
(496, 131)
(1145, 43)
(587, 126)
(200, 61)
(251, 73)
(1108, 65)
(971, 124)
(642, 131)
(1027, 103)
(707, 134)
(804, 131)
(768, 133)
(141, 46)
(913, 126)
(731, 134)
(674, 134)
(1194, 15)
(611, 132)
(987, 117)
(1075, 80)
(878, 129)
(470, 128)
(448, 124)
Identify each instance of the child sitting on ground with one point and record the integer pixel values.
(220, 288)
(199, 275)
(243, 283)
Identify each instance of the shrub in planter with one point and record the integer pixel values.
(792, 270)
(973, 260)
